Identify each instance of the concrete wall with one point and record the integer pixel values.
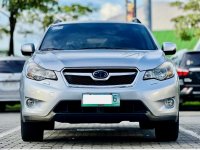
(162, 13)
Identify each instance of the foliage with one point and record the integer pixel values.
(188, 25)
(43, 12)
(191, 103)
(170, 36)
(64, 13)
(3, 30)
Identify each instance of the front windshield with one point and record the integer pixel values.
(98, 36)
(191, 60)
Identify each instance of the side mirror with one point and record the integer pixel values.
(169, 48)
(28, 49)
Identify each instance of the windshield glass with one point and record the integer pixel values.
(190, 60)
(98, 36)
(11, 66)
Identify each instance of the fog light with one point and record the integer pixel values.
(30, 102)
(169, 103)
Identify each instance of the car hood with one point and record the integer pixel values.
(57, 60)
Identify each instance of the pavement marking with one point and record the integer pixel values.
(189, 132)
(9, 131)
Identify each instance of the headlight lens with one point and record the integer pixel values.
(163, 72)
(35, 72)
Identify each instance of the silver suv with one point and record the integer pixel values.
(99, 73)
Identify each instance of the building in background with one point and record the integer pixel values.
(131, 12)
(128, 14)
(162, 13)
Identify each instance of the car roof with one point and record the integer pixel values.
(12, 58)
(95, 22)
(190, 52)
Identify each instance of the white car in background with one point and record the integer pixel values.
(10, 73)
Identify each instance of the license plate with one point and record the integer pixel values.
(6, 86)
(100, 100)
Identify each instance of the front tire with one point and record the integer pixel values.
(167, 131)
(31, 131)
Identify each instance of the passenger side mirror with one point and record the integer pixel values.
(28, 49)
(169, 48)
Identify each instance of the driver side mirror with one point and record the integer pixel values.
(169, 48)
(28, 49)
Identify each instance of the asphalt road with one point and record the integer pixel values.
(88, 136)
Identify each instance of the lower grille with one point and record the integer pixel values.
(126, 106)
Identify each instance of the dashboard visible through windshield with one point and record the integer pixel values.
(98, 36)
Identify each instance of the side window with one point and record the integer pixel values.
(183, 61)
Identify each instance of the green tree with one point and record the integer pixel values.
(43, 11)
(188, 25)
(64, 13)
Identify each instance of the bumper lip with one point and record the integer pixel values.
(99, 117)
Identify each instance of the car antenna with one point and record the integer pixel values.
(57, 21)
(136, 20)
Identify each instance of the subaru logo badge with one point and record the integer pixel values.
(100, 74)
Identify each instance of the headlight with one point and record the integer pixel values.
(35, 72)
(163, 72)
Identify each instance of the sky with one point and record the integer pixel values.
(106, 9)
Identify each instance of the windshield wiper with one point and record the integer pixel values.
(102, 48)
(50, 49)
(81, 48)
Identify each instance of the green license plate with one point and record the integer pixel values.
(100, 100)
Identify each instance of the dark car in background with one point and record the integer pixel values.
(188, 68)
(10, 73)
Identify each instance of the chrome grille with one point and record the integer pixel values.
(81, 76)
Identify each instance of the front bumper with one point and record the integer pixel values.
(151, 93)
(190, 91)
(9, 96)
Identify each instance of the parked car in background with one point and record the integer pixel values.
(10, 73)
(188, 68)
(176, 58)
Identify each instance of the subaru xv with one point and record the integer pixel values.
(99, 72)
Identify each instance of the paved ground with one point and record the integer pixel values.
(88, 136)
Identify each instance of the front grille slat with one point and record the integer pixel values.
(123, 77)
(126, 106)
(83, 70)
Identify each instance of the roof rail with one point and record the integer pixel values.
(57, 21)
(136, 20)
